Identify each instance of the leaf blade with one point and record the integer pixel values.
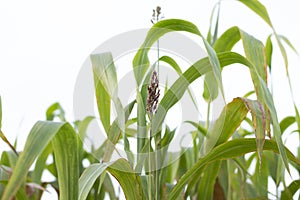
(39, 137)
(64, 145)
(227, 150)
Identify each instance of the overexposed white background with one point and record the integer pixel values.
(44, 43)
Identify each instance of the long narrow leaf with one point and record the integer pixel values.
(64, 146)
(229, 120)
(179, 87)
(141, 61)
(207, 182)
(227, 150)
(259, 9)
(290, 190)
(105, 81)
(254, 51)
(88, 178)
(259, 124)
(39, 137)
(129, 181)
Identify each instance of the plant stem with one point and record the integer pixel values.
(8, 143)
(207, 116)
(149, 162)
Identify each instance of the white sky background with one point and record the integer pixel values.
(44, 43)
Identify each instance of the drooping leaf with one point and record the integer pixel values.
(229, 120)
(268, 100)
(172, 63)
(287, 41)
(227, 40)
(83, 125)
(227, 150)
(259, 9)
(177, 68)
(259, 124)
(254, 51)
(141, 61)
(286, 122)
(179, 87)
(39, 137)
(199, 127)
(55, 110)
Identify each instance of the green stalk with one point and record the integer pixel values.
(157, 144)
(207, 116)
(149, 161)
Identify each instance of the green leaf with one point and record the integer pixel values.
(297, 117)
(199, 127)
(212, 38)
(103, 103)
(227, 40)
(289, 192)
(115, 132)
(177, 68)
(254, 51)
(39, 137)
(83, 125)
(55, 110)
(4, 176)
(109, 188)
(172, 63)
(9, 159)
(269, 51)
(207, 182)
(286, 122)
(259, 9)
(268, 100)
(41, 164)
(141, 61)
(287, 41)
(260, 177)
(0, 112)
(89, 177)
(64, 146)
(227, 150)
(129, 181)
(179, 87)
(210, 92)
(229, 120)
(105, 81)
